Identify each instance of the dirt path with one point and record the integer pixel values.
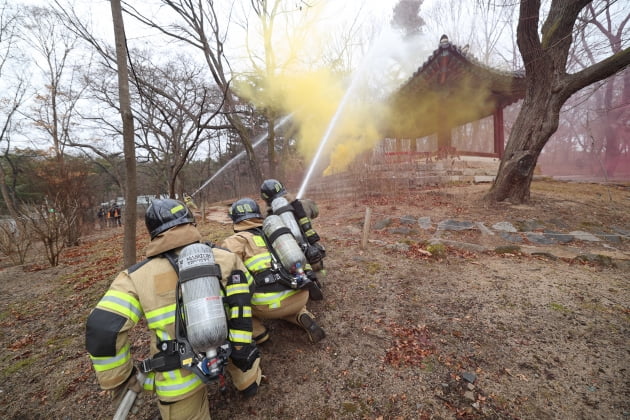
(466, 335)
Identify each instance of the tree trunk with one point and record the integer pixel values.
(530, 133)
(6, 196)
(129, 246)
(271, 145)
(548, 86)
(245, 137)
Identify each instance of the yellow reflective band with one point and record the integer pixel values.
(162, 335)
(149, 382)
(177, 208)
(304, 220)
(122, 303)
(240, 336)
(272, 299)
(161, 317)
(259, 241)
(235, 289)
(243, 312)
(177, 387)
(107, 363)
(249, 277)
(258, 262)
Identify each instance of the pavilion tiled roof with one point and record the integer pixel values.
(451, 88)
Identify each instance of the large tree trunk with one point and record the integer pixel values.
(530, 133)
(548, 86)
(129, 246)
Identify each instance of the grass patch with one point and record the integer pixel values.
(17, 366)
(437, 250)
(559, 307)
(373, 268)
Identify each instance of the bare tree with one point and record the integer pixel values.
(129, 246)
(50, 226)
(15, 239)
(201, 28)
(175, 111)
(14, 87)
(610, 105)
(548, 86)
(55, 110)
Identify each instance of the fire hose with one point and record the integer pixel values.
(130, 397)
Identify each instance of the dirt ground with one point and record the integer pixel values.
(414, 331)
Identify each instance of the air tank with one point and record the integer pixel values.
(282, 208)
(206, 324)
(283, 242)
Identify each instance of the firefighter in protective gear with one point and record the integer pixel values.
(188, 200)
(304, 211)
(148, 289)
(272, 299)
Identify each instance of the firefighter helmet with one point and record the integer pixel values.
(270, 189)
(164, 214)
(244, 209)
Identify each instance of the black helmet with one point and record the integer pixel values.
(270, 189)
(166, 213)
(244, 209)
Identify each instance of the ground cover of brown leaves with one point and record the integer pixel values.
(411, 333)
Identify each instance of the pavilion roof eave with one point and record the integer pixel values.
(451, 88)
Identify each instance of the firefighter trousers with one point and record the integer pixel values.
(193, 407)
(289, 310)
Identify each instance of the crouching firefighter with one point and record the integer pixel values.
(297, 215)
(279, 268)
(196, 301)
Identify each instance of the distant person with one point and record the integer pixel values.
(101, 217)
(149, 289)
(189, 202)
(118, 215)
(109, 215)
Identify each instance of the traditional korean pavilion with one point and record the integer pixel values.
(450, 89)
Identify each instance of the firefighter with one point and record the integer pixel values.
(303, 211)
(148, 289)
(189, 202)
(273, 298)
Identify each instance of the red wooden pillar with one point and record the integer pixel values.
(499, 135)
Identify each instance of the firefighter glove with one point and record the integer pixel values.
(132, 383)
(244, 357)
(315, 253)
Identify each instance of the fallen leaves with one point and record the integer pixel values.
(410, 347)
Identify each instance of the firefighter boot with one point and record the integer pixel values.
(262, 337)
(314, 331)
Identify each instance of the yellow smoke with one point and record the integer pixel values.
(417, 109)
(313, 98)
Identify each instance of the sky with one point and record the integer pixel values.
(313, 96)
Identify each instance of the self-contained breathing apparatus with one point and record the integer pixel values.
(295, 218)
(287, 259)
(201, 330)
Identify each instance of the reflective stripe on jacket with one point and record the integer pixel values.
(254, 252)
(147, 289)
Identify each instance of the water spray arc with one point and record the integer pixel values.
(262, 138)
(326, 137)
(377, 50)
